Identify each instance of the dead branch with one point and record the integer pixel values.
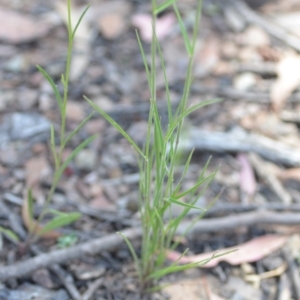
(241, 141)
(232, 222)
(107, 243)
(112, 241)
(231, 93)
(277, 32)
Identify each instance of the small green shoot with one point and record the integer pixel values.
(159, 189)
(61, 219)
(10, 234)
(67, 241)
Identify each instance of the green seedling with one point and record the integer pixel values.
(60, 219)
(159, 191)
(67, 241)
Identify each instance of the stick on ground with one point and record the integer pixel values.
(112, 241)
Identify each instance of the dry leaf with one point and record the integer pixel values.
(292, 173)
(101, 202)
(75, 111)
(144, 23)
(189, 289)
(247, 177)
(17, 28)
(207, 57)
(112, 17)
(32, 224)
(289, 20)
(255, 36)
(36, 169)
(111, 25)
(251, 251)
(288, 71)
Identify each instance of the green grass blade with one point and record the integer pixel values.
(177, 268)
(79, 21)
(144, 58)
(53, 146)
(186, 39)
(163, 6)
(162, 62)
(76, 130)
(117, 126)
(10, 234)
(186, 168)
(133, 253)
(185, 113)
(74, 153)
(55, 212)
(196, 25)
(60, 221)
(30, 204)
(175, 201)
(54, 87)
(195, 187)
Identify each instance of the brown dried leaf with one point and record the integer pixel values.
(36, 169)
(112, 25)
(247, 178)
(292, 173)
(288, 80)
(251, 251)
(17, 28)
(144, 23)
(32, 225)
(191, 289)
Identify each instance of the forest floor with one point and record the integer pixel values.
(247, 55)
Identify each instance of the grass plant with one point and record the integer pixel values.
(58, 219)
(158, 189)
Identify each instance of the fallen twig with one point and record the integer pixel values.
(107, 243)
(272, 29)
(234, 94)
(112, 241)
(294, 271)
(232, 222)
(241, 141)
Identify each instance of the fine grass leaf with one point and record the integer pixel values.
(58, 222)
(178, 268)
(163, 6)
(116, 125)
(30, 203)
(186, 39)
(144, 58)
(187, 264)
(200, 182)
(248, 252)
(63, 81)
(52, 144)
(133, 253)
(175, 201)
(55, 212)
(162, 62)
(185, 113)
(186, 168)
(54, 87)
(10, 234)
(76, 130)
(79, 21)
(73, 154)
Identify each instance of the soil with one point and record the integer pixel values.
(252, 136)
